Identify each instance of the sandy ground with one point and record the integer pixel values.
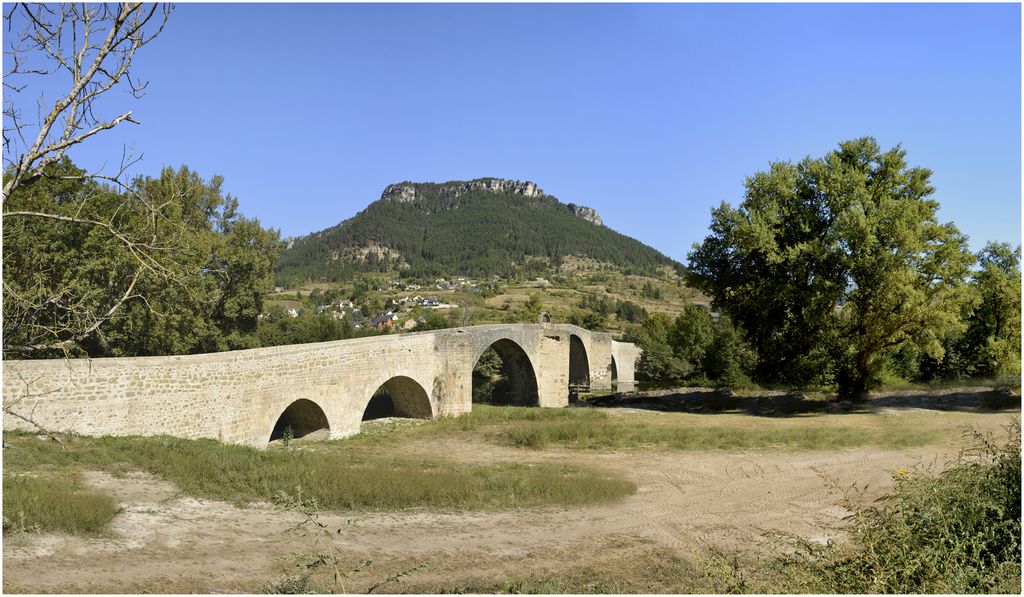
(164, 541)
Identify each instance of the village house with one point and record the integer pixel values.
(386, 320)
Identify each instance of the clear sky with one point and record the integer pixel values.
(651, 114)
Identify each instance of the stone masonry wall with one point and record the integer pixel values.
(237, 396)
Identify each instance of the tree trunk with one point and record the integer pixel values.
(853, 383)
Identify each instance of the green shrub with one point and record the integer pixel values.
(958, 532)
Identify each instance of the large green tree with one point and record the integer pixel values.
(830, 263)
(75, 253)
(227, 260)
(183, 273)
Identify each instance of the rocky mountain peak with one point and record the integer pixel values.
(405, 192)
(409, 192)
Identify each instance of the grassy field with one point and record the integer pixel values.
(722, 435)
(598, 429)
(60, 503)
(369, 472)
(347, 479)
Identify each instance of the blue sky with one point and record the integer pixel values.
(651, 114)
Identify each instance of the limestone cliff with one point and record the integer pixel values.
(405, 192)
(587, 213)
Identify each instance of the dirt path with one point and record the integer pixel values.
(166, 542)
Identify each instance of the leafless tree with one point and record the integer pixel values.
(94, 45)
(91, 47)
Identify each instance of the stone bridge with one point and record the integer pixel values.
(252, 396)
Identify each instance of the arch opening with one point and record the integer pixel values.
(614, 373)
(579, 368)
(399, 396)
(579, 364)
(301, 418)
(503, 375)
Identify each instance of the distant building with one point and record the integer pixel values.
(381, 322)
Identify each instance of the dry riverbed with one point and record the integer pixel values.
(688, 504)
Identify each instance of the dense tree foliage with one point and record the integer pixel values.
(477, 233)
(595, 309)
(694, 348)
(203, 292)
(650, 291)
(832, 264)
(430, 319)
(989, 346)
(993, 334)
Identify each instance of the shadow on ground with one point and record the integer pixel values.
(787, 404)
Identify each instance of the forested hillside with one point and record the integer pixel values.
(479, 227)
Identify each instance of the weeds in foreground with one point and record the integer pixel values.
(322, 554)
(397, 577)
(35, 504)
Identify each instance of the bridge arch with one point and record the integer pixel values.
(301, 417)
(399, 396)
(522, 388)
(614, 372)
(579, 363)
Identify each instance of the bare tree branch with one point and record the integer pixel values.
(94, 69)
(9, 407)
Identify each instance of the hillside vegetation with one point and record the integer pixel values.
(478, 228)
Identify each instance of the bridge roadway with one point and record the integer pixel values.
(250, 396)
